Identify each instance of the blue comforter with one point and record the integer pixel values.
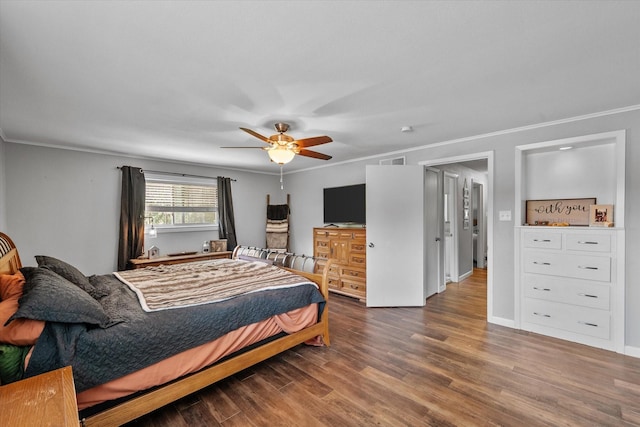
(139, 339)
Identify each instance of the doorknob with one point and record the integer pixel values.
(371, 244)
(437, 239)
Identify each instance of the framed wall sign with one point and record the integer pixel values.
(559, 211)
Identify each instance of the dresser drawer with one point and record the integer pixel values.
(353, 234)
(589, 242)
(581, 320)
(358, 260)
(327, 233)
(358, 247)
(320, 265)
(542, 240)
(334, 282)
(322, 243)
(596, 268)
(354, 273)
(355, 287)
(569, 291)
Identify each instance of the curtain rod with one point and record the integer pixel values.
(178, 174)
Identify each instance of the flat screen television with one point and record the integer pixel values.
(345, 204)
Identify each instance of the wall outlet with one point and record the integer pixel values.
(504, 215)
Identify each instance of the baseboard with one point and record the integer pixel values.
(509, 323)
(465, 275)
(632, 351)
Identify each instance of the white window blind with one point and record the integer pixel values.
(173, 202)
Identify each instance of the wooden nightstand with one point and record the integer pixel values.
(44, 400)
(178, 259)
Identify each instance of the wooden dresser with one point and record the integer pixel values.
(348, 245)
(44, 400)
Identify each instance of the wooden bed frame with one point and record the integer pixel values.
(181, 387)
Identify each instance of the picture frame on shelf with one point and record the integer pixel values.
(572, 212)
(218, 245)
(601, 216)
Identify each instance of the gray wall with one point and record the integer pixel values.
(3, 204)
(306, 188)
(66, 204)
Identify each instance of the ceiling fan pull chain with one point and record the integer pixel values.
(281, 184)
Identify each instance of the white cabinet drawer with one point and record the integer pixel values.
(542, 240)
(589, 242)
(569, 291)
(581, 320)
(567, 265)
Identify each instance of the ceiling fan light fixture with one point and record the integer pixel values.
(281, 155)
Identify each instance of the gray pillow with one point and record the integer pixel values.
(50, 297)
(69, 272)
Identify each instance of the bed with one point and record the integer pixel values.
(114, 395)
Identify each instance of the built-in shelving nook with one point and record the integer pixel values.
(570, 280)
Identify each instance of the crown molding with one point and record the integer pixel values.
(375, 156)
(484, 135)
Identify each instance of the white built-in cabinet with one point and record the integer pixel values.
(570, 281)
(570, 284)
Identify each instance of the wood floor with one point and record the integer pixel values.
(440, 365)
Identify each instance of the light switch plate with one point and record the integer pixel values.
(504, 215)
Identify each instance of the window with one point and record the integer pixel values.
(180, 202)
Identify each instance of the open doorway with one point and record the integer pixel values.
(477, 169)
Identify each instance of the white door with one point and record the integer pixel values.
(450, 228)
(434, 230)
(395, 234)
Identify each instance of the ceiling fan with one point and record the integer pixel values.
(282, 148)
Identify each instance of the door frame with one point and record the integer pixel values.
(489, 156)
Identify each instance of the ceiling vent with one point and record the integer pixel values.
(394, 161)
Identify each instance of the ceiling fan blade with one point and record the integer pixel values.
(310, 142)
(314, 154)
(262, 148)
(256, 134)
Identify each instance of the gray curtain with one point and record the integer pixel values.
(131, 243)
(227, 226)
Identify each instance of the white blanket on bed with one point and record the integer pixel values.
(183, 285)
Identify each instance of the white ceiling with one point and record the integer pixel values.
(175, 79)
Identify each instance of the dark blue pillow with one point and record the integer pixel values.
(50, 297)
(69, 272)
